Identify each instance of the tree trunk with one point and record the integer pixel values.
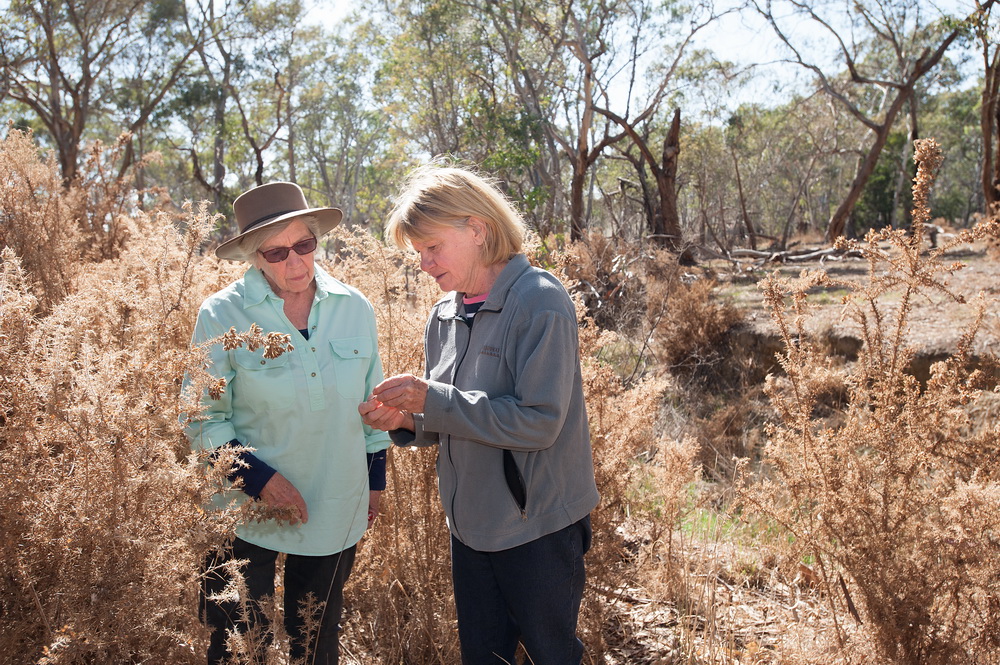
(747, 223)
(901, 215)
(577, 184)
(664, 221)
(666, 180)
(989, 122)
(995, 189)
(838, 222)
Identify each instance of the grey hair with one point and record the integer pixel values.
(254, 241)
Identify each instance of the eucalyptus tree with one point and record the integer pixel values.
(586, 33)
(78, 64)
(345, 153)
(987, 35)
(429, 63)
(240, 106)
(953, 118)
(517, 36)
(460, 78)
(873, 90)
(792, 159)
(596, 74)
(265, 93)
(705, 202)
(654, 32)
(203, 103)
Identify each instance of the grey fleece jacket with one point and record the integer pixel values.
(510, 382)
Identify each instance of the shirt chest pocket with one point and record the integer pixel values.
(352, 356)
(262, 382)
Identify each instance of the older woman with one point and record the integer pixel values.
(312, 455)
(503, 399)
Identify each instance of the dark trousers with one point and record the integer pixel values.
(530, 593)
(322, 576)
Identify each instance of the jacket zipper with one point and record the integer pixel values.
(515, 481)
(454, 378)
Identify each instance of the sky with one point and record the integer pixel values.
(744, 38)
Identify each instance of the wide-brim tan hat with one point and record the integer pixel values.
(270, 204)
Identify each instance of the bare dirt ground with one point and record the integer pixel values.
(937, 320)
(722, 611)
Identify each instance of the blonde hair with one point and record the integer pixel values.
(435, 197)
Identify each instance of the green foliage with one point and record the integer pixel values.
(952, 117)
(878, 201)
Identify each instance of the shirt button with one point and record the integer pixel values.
(355, 352)
(314, 349)
(263, 362)
(314, 373)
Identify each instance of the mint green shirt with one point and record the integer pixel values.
(299, 410)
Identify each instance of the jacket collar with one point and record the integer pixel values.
(498, 292)
(258, 290)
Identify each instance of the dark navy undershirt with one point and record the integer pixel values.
(472, 307)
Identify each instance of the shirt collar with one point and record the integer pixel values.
(498, 292)
(258, 290)
(505, 280)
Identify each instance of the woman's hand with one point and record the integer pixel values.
(373, 501)
(377, 415)
(280, 493)
(404, 392)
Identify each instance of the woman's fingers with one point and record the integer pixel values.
(405, 392)
(279, 492)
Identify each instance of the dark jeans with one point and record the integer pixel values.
(530, 593)
(324, 576)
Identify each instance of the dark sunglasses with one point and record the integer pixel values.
(279, 254)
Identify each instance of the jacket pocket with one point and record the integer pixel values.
(515, 482)
(352, 356)
(263, 382)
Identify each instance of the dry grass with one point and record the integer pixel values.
(105, 531)
(897, 501)
(868, 476)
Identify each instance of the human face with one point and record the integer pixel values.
(294, 274)
(453, 257)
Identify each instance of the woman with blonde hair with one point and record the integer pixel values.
(502, 398)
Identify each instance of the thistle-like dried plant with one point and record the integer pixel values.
(103, 524)
(897, 500)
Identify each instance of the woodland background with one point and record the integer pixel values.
(767, 498)
(599, 115)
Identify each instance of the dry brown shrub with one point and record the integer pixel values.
(606, 273)
(103, 521)
(56, 227)
(673, 321)
(691, 324)
(37, 219)
(674, 324)
(631, 451)
(897, 501)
